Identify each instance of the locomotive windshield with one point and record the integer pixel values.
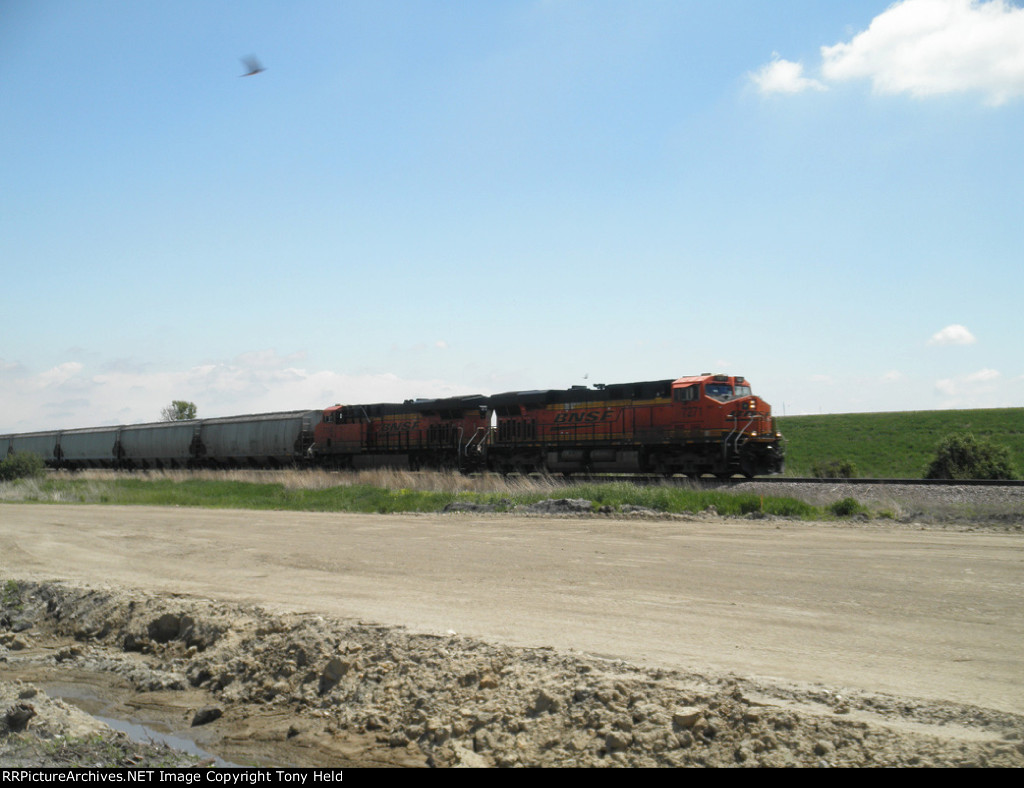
(725, 392)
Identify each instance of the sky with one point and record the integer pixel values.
(418, 198)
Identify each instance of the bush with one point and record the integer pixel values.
(834, 469)
(22, 465)
(846, 508)
(966, 457)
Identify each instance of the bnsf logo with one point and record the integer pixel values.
(585, 416)
(399, 426)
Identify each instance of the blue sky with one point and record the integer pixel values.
(429, 198)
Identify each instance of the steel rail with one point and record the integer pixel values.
(919, 482)
(784, 480)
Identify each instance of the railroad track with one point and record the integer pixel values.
(784, 480)
(920, 482)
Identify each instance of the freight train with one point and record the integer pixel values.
(696, 425)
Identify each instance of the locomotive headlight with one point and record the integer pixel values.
(753, 435)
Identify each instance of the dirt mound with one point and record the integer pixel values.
(411, 699)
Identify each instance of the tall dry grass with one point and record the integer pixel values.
(301, 479)
(37, 490)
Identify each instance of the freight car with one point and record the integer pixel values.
(704, 424)
(261, 440)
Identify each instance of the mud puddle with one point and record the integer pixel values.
(140, 729)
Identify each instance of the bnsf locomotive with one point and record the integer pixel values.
(693, 425)
(704, 424)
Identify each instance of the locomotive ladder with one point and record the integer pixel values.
(478, 437)
(739, 433)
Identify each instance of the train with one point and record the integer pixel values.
(707, 424)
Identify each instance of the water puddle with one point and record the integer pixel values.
(142, 731)
(146, 735)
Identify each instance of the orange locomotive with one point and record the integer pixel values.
(438, 433)
(693, 425)
(704, 424)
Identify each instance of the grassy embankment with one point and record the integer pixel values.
(893, 445)
(380, 491)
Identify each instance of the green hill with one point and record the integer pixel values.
(893, 445)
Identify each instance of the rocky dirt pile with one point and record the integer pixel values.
(454, 701)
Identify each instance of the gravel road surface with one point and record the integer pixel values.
(922, 613)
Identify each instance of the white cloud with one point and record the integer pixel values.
(985, 385)
(982, 375)
(58, 375)
(784, 76)
(893, 376)
(925, 48)
(953, 335)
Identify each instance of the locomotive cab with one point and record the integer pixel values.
(738, 429)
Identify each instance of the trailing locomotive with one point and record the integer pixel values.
(704, 424)
(438, 433)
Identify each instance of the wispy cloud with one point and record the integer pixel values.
(953, 335)
(923, 48)
(983, 382)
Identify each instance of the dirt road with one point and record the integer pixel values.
(922, 613)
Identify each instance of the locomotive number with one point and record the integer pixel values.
(399, 426)
(585, 416)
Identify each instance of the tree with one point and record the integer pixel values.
(966, 457)
(179, 410)
(21, 465)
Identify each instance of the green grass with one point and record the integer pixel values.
(382, 499)
(10, 596)
(676, 499)
(893, 445)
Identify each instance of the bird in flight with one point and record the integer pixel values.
(253, 65)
